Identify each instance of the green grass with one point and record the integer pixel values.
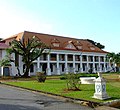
(59, 87)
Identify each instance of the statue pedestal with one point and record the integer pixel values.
(100, 88)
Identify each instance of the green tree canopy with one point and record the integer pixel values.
(29, 50)
(96, 44)
(114, 58)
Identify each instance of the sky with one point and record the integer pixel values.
(98, 20)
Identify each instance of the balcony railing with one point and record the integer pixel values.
(53, 59)
(70, 59)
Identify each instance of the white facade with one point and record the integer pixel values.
(64, 61)
(67, 55)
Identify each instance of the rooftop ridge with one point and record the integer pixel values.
(54, 35)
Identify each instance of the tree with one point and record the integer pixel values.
(114, 58)
(96, 44)
(118, 59)
(29, 50)
(5, 61)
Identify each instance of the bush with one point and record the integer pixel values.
(77, 76)
(72, 81)
(40, 76)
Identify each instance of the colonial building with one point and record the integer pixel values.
(3, 46)
(66, 55)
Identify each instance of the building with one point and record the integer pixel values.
(3, 46)
(66, 55)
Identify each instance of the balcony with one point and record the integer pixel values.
(90, 58)
(101, 59)
(43, 57)
(77, 58)
(84, 58)
(62, 57)
(96, 59)
(53, 57)
(70, 57)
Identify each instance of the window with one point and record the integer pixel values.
(84, 58)
(70, 46)
(92, 48)
(56, 44)
(79, 47)
(53, 57)
(96, 58)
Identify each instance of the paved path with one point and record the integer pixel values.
(12, 98)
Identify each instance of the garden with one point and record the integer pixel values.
(58, 85)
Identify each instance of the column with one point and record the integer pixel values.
(48, 71)
(38, 65)
(87, 64)
(94, 71)
(58, 66)
(66, 66)
(74, 64)
(99, 67)
(81, 66)
(104, 63)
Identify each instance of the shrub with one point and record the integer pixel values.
(77, 76)
(72, 81)
(41, 77)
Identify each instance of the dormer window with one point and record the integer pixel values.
(55, 42)
(70, 45)
(79, 47)
(92, 48)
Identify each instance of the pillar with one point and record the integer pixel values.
(81, 66)
(99, 67)
(94, 71)
(58, 66)
(48, 71)
(87, 68)
(38, 65)
(66, 65)
(74, 64)
(104, 63)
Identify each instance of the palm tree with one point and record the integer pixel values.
(30, 51)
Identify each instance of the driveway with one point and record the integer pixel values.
(12, 98)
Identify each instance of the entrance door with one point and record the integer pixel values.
(6, 71)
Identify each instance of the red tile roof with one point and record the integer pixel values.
(3, 46)
(49, 39)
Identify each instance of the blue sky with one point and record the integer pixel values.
(98, 20)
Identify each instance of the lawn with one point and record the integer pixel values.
(57, 86)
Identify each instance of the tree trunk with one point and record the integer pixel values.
(18, 71)
(26, 74)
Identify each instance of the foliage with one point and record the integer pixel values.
(30, 50)
(72, 81)
(58, 87)
(40, 76)
(96, 44)
(114, 58)
(77, 76)
(5, 61)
